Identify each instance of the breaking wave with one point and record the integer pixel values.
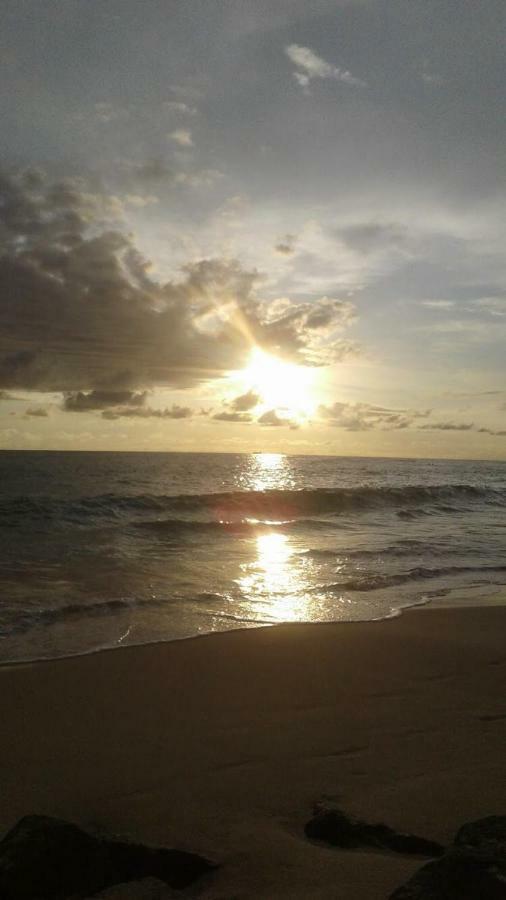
(278, 506)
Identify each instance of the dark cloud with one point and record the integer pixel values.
(448, 426)
(82, 402)
(286, 245)
(237, 410)
(501, 433)
(272, 419)
(365, 417)
(80, 311)
(245, 402)
(461, 426)
(148, 412)
(228, 416)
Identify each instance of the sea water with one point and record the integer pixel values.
(107, 549)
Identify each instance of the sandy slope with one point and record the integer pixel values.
(221, 744)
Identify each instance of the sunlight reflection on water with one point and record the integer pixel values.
(278, 584)
(267, 471)
(272, 582)
(274, 579)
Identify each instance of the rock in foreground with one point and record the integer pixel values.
(455, 877)
(335, 827)
(487, 836)
(43, 858)
(473, 869)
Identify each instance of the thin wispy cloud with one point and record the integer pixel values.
(365, 416)
(310, 66)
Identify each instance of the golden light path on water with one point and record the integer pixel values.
(269, 471)
(274, 582)
(277, 583)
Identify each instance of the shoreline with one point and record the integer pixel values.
(493, 600)
(223, 745)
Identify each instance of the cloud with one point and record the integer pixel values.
(82, 313)
(148, 412)
(175, 106)
(492, 431)
(494, 306)
(237, 410)
(181, 136)
(82, 402)
(438, 304)
(228, 416)
(307, 332)
(365, 417)
(462, 426)
(286, 245)
(310, 66)
(448, 426)
(245, 402)
(273, 420)
(141, 200)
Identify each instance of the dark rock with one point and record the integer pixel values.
(176, 868)
(473, 869)
(485, 836)
(336, 828)
(43, 858)
(457, 876)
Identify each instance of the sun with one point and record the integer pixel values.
(280, 385)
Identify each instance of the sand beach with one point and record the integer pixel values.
(222, 744)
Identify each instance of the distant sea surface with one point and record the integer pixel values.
(107, 549)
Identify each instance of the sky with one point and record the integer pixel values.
(253, 225)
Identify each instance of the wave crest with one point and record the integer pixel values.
(275, 505)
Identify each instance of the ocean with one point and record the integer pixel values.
(107, 549)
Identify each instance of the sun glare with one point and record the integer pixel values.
(280, 385)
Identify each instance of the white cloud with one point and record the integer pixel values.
(310, 65)
(438, 304)
(141, 200)
(183, 109)
(181, 136)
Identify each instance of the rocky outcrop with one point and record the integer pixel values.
(43, 858)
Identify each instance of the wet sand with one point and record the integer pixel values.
(222, 744)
